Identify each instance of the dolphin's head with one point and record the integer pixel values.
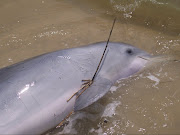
(123, 60)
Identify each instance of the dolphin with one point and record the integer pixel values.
(34, 92)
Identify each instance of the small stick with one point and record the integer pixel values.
(62, 122)
(75, 93)
(84, 88)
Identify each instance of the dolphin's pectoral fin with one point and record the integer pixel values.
(95, 91)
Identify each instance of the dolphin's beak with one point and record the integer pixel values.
(158, 58)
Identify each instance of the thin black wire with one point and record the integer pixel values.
(104, 50)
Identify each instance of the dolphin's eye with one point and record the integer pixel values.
(129, 51)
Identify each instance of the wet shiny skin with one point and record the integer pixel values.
(38, 89)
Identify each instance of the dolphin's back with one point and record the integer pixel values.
(30, 91)
(27, 89)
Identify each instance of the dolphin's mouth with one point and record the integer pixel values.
(144, 58)
(158, 58)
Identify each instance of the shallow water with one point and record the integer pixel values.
(147, 103)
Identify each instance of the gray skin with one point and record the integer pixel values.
(34, 93)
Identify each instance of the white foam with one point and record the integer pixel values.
(110, 109)
(99, 131)
(68, 129)
(153, 78)
(113, 88)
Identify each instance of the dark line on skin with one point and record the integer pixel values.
(143, 58)
(35, 100)
(24, 104)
